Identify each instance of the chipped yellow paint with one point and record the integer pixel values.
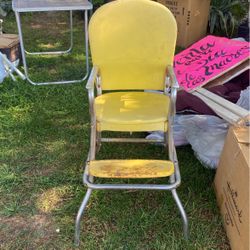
(130, 168)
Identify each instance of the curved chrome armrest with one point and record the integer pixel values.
(172, 84)
(173, 80)
(92, 78)
(90, 86)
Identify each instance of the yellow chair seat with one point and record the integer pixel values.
(132, 111)
(130, 168)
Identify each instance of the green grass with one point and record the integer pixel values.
(44, 136)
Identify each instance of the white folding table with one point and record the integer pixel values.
(21, 6)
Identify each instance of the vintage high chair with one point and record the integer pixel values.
(132, 44)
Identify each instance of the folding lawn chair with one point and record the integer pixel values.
(7, 68)
(132, 44)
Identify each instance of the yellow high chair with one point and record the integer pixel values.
(132, 44)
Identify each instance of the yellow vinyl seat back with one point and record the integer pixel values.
(132, 42)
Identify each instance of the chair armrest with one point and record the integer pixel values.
(91, 93)
(92, 78)
(172, 85)
(173, 80)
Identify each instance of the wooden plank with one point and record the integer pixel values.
(229, 75)
(221, 74)
(225, 103)
(218, 109)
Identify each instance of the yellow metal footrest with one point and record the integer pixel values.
(130, 168)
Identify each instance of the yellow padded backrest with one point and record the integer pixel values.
(132, 42)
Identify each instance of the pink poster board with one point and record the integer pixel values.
(208, 59)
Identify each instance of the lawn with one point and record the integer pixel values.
(44, 136)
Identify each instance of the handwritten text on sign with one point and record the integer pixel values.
(207, 59)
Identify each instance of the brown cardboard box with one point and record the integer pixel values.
(232, 187)
(9, 45)
(191, 17)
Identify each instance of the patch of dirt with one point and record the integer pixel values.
(30, 232)
(41, 171)
(96, 228)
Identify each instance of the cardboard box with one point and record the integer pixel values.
(232, 187)
(191, 17)
(10, 46)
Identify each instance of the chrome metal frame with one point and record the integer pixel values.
(9, 67)
(174, 180)
(24, 52)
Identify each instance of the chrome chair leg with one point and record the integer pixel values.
(79, 216)
(93, 142)
(172, 155)
(183, 213)
(91, 156)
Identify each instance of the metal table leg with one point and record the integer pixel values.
(54, 82)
